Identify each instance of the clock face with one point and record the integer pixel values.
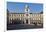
(26, 10)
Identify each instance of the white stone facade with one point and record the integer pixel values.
(33, 17)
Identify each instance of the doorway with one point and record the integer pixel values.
(27, 21)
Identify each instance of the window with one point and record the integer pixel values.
(39, 18)
(26, 14)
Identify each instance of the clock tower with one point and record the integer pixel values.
(27, 15)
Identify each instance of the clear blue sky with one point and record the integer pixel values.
(19, 7)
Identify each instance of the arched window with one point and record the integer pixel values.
(26, 14)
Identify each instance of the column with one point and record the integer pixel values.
(28, 21)
(24, 21)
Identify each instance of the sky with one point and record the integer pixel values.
(19, 7)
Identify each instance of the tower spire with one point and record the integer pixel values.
(26, 8)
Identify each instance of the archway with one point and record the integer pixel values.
(26, 21)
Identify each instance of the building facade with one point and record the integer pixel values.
(26, 18)
(33, 17)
